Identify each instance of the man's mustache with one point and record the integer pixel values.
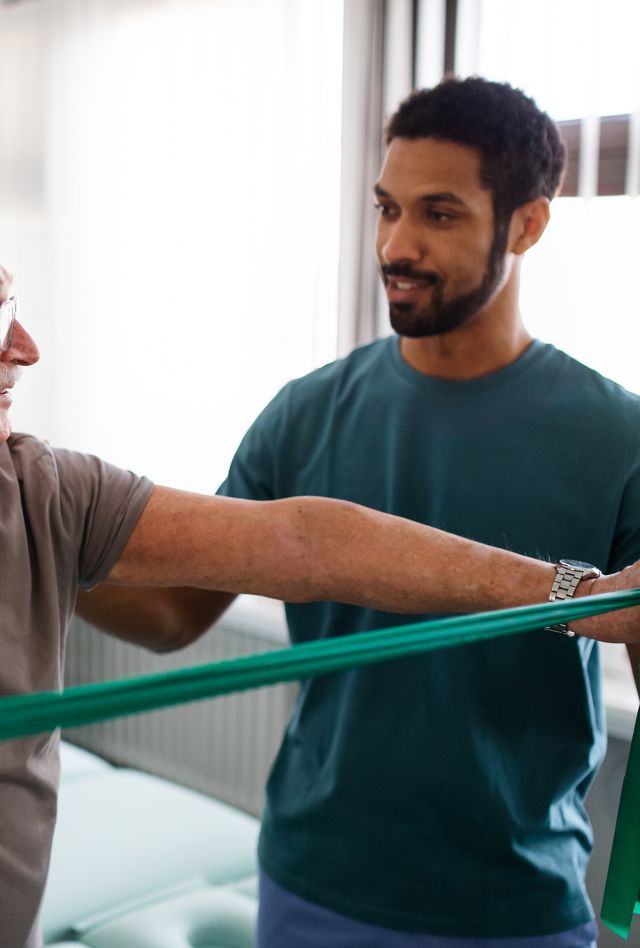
(400, 272)
(9, 375)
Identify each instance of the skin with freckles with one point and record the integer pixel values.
(299, 549)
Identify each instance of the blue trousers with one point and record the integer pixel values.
(287, 921)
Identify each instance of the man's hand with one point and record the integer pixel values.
(624, 625)
(620, 626)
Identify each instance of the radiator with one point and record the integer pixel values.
(223, 747)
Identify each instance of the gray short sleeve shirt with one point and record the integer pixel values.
(65, 518)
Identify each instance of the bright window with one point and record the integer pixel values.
(176, 246)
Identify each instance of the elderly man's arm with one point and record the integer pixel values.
(158, 618)
(310, 548)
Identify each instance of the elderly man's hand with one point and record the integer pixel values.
(620, 626)
(6, 279)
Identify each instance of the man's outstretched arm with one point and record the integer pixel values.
(162, 619)
(310, 548)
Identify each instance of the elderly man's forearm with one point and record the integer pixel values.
(305, 549)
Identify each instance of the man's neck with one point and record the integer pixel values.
(458, 357)
(489, 341)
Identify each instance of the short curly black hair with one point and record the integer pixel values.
(522, 155)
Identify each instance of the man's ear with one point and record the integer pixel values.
(528, 224)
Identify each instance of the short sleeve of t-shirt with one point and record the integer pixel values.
(65, 518)
(99, 507)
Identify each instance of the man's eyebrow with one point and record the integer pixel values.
(447, 197)
(437, 197)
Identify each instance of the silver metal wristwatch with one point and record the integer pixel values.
(568, 574)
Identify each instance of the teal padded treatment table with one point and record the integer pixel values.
(22, 715)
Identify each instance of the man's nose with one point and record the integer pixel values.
(402, 243)
(23, 350)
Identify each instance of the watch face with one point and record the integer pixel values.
(576, 564)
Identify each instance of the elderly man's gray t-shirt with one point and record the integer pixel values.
(65, 519)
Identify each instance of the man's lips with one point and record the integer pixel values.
(401, 289)
(6, 394)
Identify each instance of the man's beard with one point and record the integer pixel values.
(440, 316)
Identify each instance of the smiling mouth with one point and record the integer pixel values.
(406, 284)
(400, 290)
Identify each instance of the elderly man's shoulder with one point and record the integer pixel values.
(33, 461)
(28, 455)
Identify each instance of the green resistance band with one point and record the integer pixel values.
(621, 899)
(21, 715)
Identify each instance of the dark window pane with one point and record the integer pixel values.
(612, 158)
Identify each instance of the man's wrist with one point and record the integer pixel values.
(590, 587)
(597, 627)
(570, 576)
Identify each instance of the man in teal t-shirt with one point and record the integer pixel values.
(439, 800)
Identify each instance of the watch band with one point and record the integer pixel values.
(569, 573)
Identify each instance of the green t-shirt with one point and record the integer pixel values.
(445, 793)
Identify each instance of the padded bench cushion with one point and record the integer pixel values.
(76, 762)
(125, 835)
(211, 917)
(248, 886)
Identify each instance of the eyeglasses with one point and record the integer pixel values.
(8, 315)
